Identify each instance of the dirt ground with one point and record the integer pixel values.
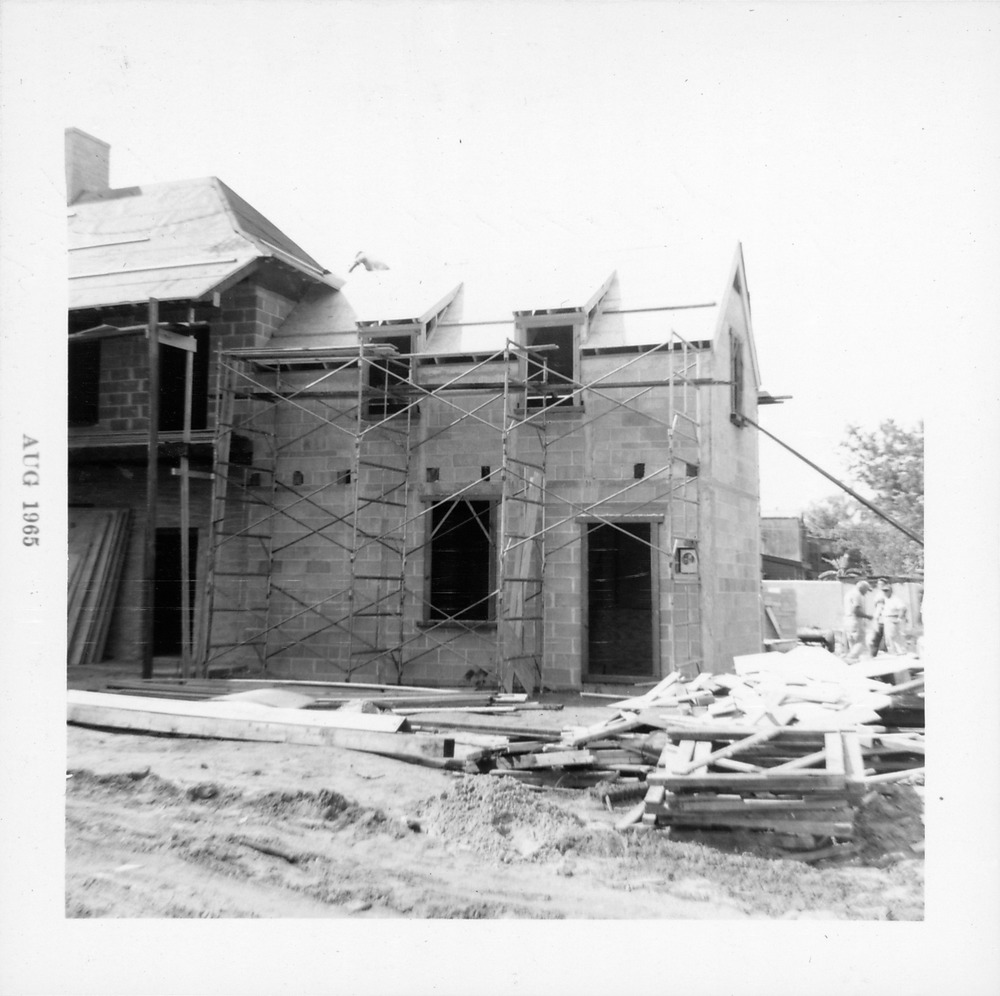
(171, 827)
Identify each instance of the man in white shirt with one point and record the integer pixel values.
(896, 617)
(854, 619)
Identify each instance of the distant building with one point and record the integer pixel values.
(789, 552)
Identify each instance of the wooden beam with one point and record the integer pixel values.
(741, 745)
(384, 735)
(152, 470)
(186, 519)
(185, 342)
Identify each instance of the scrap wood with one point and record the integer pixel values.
(486, 710)
(799, 781)
(731, 765)
(902, 742)
(634, 815)
(555, 759)
(657, 691)
(735, 748)
(805, 761)
(895, 776)
(907, 686)
(448, 721)
(610, 728)
(825, 828)
(710, 803)
(824, 853)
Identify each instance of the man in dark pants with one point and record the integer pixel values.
(875, 641)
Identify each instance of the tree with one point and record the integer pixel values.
(888, 462)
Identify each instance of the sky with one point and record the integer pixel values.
(851, 148)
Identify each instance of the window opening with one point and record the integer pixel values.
(736, 413)
(84, 383)
(561, 364)
(386, 375)
(173, 364)
(462, 560)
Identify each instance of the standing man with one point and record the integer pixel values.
(897, 618)
(878, 623)
(854, 619)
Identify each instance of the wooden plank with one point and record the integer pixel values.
(599, 731)
(816, 827)
(655, 795)
(854, 762)
(894, 776)
(205, 713)
(833, 809)
(730, 765)
(705, 759)
(834, 746)
(672, 756)
(834, 851)
(699, 761)
(437, 751)
(801, 781)
(678, 729)
(556, 759)
(902, 742)
(797, 763)
(634, 815)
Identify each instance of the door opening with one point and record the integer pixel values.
(167, 590)
(619, 600)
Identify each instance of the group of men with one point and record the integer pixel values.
(889, 620)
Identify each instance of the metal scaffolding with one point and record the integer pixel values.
(321, 449)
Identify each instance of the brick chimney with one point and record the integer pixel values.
(87, 164)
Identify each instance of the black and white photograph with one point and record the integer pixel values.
(482, 449)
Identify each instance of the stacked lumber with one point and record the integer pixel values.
(98, 538)
(804, 785)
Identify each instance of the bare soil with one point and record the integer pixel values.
(169, 827)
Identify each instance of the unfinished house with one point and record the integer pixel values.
(524, 477)
(223, 277)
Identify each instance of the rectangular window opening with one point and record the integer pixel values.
(84, 383)
(551, 373)
(173, 363)
(736, 414)
(462, 562)
(389, 377)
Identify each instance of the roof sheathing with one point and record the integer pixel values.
(180, 240)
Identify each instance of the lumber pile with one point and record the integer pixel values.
(97, 541)
(799, 784)
(387, 735)
(794, 735)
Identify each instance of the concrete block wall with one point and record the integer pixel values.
(730, 512)
(248, 316)
(592, 463)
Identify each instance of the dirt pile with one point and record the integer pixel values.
(497, 818)
(891, 821)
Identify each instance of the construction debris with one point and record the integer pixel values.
(792, 745)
